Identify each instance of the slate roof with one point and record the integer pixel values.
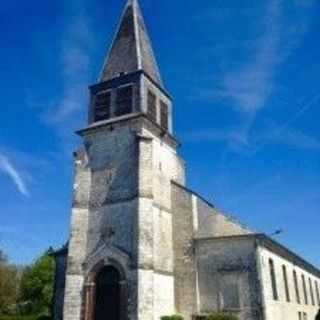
(131, 49)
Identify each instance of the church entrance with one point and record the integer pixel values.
(108, 294)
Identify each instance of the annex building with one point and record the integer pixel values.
(142, 245)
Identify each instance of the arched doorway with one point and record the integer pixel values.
(108, 294)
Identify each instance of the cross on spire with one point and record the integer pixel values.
(131, 49)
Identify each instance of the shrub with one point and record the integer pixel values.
(172, 317)
(43, 317)
(221, 316)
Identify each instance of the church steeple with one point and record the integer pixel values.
(131, 49)
(130, 84)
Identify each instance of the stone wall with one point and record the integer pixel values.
(184, 262)
(229, 256)
(122, 212)
(194, 218)
(211, 222)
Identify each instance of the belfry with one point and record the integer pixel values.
(142, 245)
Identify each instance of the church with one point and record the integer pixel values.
(142, 244)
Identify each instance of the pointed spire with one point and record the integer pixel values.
(131, 49)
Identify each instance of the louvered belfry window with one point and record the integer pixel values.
(164, 119)
(102, 106)
(152, 106)
(124, 100)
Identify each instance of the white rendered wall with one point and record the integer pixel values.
(281, 309)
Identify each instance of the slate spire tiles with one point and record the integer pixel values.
(131, 49)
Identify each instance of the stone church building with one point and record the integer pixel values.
(142, 245)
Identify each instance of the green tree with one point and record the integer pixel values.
(8, 285)
(37, 285)
(318, 316)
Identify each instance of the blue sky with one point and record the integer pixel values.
(245, 81)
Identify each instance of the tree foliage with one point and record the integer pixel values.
(37, 285)
(8, 285)
(318, 316)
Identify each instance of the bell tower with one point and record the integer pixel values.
(130, 81)
(121, 241)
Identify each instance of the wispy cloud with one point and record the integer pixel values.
(11, 171)
(68, 112)
(248, 86)
(237, 142)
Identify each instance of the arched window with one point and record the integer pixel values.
(273, 280)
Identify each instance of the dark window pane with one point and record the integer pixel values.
(311, 292)
(164, 119)
(286, 285)
(273, 280)
(304, 289)
(152, 106)
(102, 106)
(124, 101)
(296, 287)
(317, 292)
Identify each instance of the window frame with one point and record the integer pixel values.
(152, 112)
(101, 106)
(316, 284)
(296, 286)
(274, 285)
(286, 283)
(119, 112)
(164, 116)
(305, 291)
(313, 301)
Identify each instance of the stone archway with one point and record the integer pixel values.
(105, 294)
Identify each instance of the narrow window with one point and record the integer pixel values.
(296, 287)
(152, 106)
(317, 292)
(164, 119)
(311, 293)
(285, 280)
(300, 315)
(273, 280)
(305, 316)
(305, 293)
(102, 106)
(124, 100)
(229, 291)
